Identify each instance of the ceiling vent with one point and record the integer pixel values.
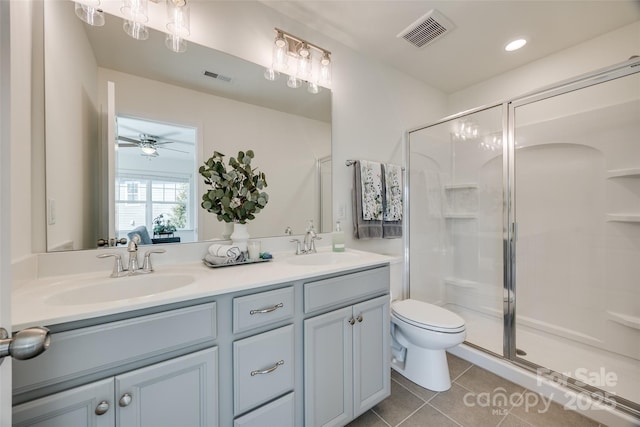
(217, 76)
(427, 29)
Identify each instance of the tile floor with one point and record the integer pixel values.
(477, 398)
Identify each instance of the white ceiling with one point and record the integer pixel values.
(473, 51)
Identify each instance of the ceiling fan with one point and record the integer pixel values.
(148, 144)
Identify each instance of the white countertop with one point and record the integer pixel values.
(32, 306)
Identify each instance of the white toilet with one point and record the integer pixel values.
(421, 333)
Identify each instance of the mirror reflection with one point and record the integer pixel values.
(128, 123)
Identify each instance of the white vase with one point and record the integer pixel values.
(227, 230)
(240, 236)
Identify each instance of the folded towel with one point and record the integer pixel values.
(142, 233)
(225, 251)
(220, 260)
(392, 201)
(364, 228)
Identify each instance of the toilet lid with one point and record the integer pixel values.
(429, 315)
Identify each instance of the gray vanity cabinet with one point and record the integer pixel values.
(75, 407)
(180, 391)
(346, 362)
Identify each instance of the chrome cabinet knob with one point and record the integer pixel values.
(102, 408)
(125, 400)
(352, 321)
(360, 318)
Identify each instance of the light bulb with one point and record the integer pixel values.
(325, 69)
(280, 52)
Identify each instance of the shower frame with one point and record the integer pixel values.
(510, 230)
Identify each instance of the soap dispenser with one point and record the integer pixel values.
(337, 239)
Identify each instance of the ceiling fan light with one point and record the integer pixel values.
(148, 149)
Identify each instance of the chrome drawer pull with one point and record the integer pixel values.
(266, 310)
(267, 371)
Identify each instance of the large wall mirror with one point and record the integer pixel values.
(128, 123)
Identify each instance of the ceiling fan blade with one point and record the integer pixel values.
(127, 139)
(173, 149)
(127, 145)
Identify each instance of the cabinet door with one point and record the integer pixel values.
(75, 407)
(179, 392)
(328, 369)
(371, 374)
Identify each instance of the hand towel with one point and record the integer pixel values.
(363, 229)
(372, 190)
(392, 201)
(225, 251)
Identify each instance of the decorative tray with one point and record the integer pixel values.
(249, 261)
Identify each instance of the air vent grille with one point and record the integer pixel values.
(427, 29)
(217, 76)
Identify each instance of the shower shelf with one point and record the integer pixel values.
(460, 186)
(461, 283)
(460, 215)
(623, 217)
(624, 319)
(617, 173)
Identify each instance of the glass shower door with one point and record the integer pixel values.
(456, 221)
(577, 215)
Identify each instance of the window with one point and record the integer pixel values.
(140, 199)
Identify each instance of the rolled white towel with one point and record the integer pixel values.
(218, 260)
(227, 251)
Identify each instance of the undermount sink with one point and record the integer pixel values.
(121, 288)
(323, 258)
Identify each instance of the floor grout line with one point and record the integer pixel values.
(411, 414)
(380, 417)
(446, 415)
(403, 386)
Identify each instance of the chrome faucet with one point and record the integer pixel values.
(310, 237)
(132, 248)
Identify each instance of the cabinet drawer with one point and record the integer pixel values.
(84, 351)
(262, 368)
(327, 293)
(279, 413)
(262, 309)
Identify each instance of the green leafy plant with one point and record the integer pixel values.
(235, 194)
(162, 225)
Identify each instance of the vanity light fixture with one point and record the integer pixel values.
(178, 25)
(89, 12)
(135, 15)
(301, 61)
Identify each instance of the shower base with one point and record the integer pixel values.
(613, 373)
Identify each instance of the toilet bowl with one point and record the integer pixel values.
(421, 333)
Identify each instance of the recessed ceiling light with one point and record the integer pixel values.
(515, 45)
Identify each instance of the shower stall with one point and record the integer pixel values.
(524, 219)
